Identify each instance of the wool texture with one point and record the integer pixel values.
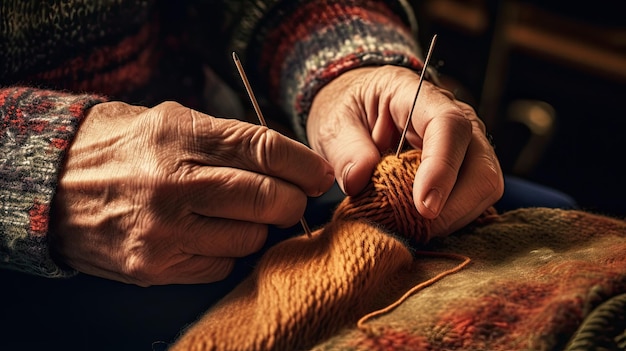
(37, 128)
(539, 279)
(297, 59)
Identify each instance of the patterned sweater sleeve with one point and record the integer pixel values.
(36, 129)
(295, 47)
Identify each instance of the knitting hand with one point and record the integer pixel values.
(361, 114)
(169, 195)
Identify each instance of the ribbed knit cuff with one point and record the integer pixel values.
(37, 128)
(322, 39)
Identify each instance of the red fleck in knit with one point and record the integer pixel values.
(539, 279)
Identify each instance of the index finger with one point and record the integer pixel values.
(446, 134)
(232, 143)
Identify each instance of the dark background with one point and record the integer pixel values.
(498, 54)
(566, 59)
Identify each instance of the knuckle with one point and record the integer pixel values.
(445, 92)
(480, 125)
(330, 135)
(166, 105)
(169, 112)
(331, 131)
(140, 271)
(269, 151)
(492, 186)
(277, 204)
(454, 117)
(265, 197)
(466, 126)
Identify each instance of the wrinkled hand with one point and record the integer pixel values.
(361, 114)
(169, 195)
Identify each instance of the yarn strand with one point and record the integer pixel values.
(465, 261)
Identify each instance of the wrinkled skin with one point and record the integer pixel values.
(360, 115)
(168, 195)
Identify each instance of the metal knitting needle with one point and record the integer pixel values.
(419, 86)
(259, 115)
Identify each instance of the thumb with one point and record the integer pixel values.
(355, 158)
(338, 128)
(349, 148)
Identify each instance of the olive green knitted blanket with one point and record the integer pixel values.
(530, 279)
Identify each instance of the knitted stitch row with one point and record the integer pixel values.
(536, 275)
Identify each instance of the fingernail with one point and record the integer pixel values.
(329, 179)
(433, 200)
(344, 176)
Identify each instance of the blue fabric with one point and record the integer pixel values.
(520, 193)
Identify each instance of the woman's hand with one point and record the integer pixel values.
(169, 195)
(360, 115)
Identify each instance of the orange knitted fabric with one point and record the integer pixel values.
(388, 198)
(536, 276)
(304, 290)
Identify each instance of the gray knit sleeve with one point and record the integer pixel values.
(36, 129)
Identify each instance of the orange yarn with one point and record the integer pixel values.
(465, 261)
(388, 199)
(306, 289)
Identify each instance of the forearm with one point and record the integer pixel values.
(37, 128)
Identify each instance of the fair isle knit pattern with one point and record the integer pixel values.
(37, 127)
(320, 40)
(290, 48)
(99, 46)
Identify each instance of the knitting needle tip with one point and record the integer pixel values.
(419, 86)
(306, 228)
(246, 83)
(259, 115)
